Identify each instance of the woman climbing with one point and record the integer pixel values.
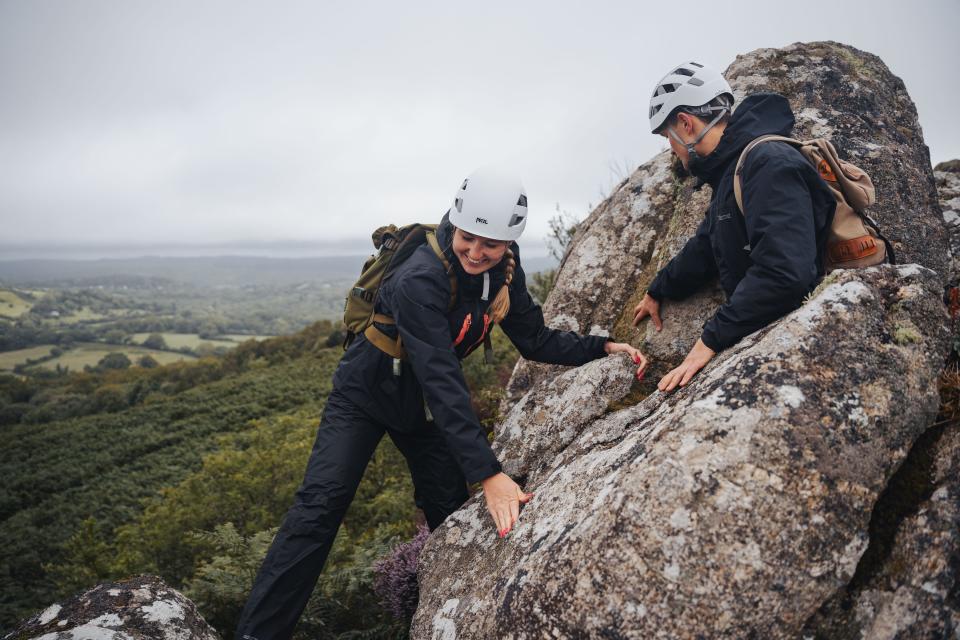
(403, 377)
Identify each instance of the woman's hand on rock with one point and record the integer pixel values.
(638, 358)
(503, 497)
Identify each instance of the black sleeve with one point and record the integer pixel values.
(780, 228)
(420, 313)
(688, 270)
(526, 329)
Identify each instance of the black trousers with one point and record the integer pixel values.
(345, 442)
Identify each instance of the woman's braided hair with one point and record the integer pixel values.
(500, 306)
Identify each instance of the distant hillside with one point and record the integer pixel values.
(230, 271)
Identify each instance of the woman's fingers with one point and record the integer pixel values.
(496, 518)
(504, 506)
(505, 519)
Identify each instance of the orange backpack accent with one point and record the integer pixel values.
(855, 240)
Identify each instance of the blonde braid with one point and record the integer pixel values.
(500, 306)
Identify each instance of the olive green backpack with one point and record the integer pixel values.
(394, 245)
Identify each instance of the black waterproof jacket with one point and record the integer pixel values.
(417, 296)
(770, 257)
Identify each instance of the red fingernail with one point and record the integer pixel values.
(636, 359)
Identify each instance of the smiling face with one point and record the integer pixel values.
(476, 253)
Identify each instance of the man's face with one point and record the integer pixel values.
(678, 149)
(684, 126)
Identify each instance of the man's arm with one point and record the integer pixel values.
(782, 236)
(688, 270)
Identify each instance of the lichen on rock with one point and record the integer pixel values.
(142, 608)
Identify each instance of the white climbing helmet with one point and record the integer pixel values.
(492, 204)
(689, 85)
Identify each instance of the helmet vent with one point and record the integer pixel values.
(683, 72)
(697, 65)
(458, 203)
(697, 82)
(515, 219)
(522, 202)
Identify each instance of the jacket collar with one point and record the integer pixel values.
(758, 115)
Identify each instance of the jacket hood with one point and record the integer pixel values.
(758, 115)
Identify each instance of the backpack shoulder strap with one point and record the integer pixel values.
(435, 245)
(737, 178)
(394, 346)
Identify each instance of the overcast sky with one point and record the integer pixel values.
(134, 123)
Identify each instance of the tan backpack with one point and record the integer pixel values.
(854, 239)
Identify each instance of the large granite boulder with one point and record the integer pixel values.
(835, 91)
(142, 608)
(564, 406)
(947, 175)
(742, 505)
(735, 507)
(908, 582)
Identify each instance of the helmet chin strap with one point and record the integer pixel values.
(692, 154)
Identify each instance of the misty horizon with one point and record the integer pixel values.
(156, 123)
(277, 249)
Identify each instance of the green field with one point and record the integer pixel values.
(239, 337)
(10, 359)
(181, 340)
(192, 340)
(90, 353)
(83, 315)
(12, 305)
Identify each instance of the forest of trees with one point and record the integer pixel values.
(185, 471)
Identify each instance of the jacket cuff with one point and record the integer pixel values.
(482, 472)
(600, 345)
(710, 339)
(655, 290)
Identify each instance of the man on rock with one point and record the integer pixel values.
(768, 259)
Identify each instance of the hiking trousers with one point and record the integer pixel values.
(345, 442)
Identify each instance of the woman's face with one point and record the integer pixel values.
(476, 253)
